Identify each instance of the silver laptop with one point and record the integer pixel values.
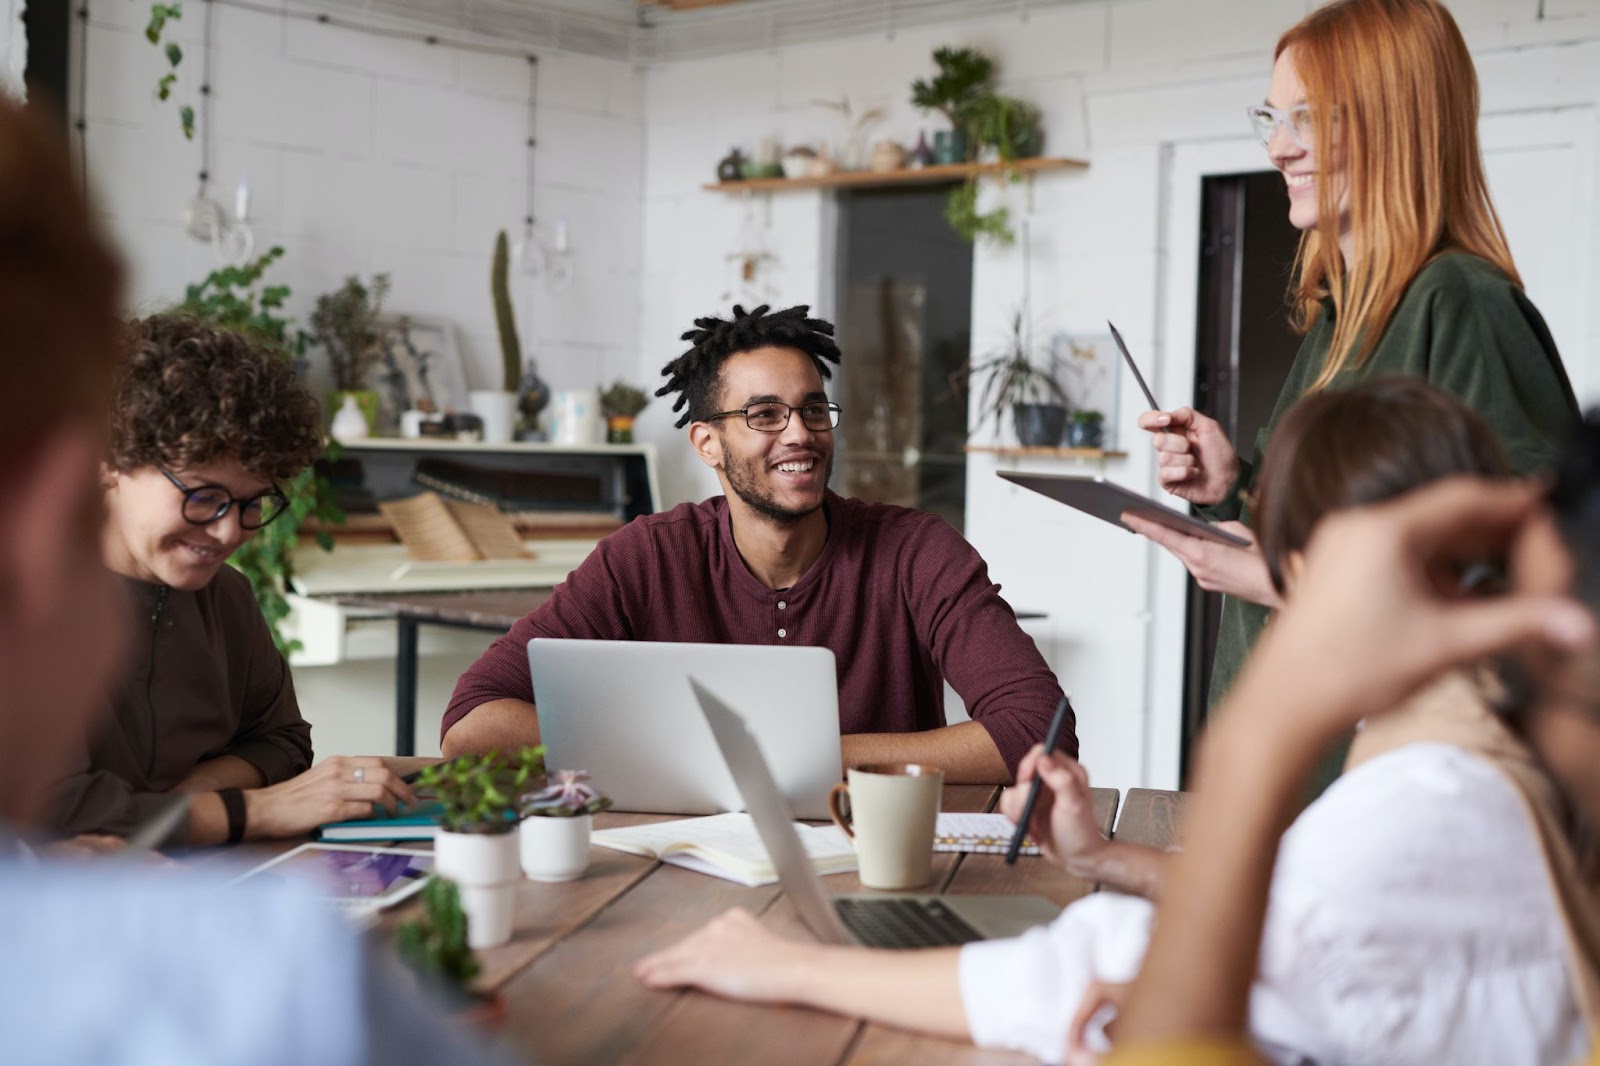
(878, 921)
(623, 710)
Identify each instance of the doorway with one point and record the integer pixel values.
(905, 326)
(1243, 349)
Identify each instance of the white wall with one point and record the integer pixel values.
(368, 154)
(1152, 93)
(13, 48)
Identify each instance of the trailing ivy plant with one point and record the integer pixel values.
(160, 15)
(234, 298)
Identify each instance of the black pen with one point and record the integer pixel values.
(1051, 738)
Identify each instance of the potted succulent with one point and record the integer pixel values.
(556, 824)
(344, 323)
(497, 407)
(1013, 383)
(1086, 430)
(434, 947)
(477, 845)
(621, 404)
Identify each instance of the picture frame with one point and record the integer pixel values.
(420, 369)
(1089, 368)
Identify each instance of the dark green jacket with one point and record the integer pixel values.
(1463, 326)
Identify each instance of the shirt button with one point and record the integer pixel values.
(783, 632)
(782, 605)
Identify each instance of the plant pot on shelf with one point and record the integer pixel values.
(555, 848)
(619, 429)
(498, 412)
(949, 146)
(486, 869)
(1039, 425)
(1086, 432)
(362, 403)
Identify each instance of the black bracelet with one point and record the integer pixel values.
(233, 804)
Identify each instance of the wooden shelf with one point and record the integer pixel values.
(867, 179)
(1018, 451)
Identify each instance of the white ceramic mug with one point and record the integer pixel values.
(893, 810)
(575, 416)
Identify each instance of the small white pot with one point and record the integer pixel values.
(555, 849)
(498, 410)
(484, 867)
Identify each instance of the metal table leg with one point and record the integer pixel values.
(405, 686)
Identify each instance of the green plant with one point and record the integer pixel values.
(1087, 418)
(964, 73)
(504, 316)
(434, 944)
(961, 211)
(1005, 123)
(483, 793)
(160, 15)
(234, 298)
(1011, 377)
(621, 400)
(568, 795)
(344, 323)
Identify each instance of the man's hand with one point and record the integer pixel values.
(1063, 822)
(1194, 458)
(1216, 567)
(733, 955)
(337, 789)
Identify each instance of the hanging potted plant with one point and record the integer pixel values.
(434, 947)
(476, 846)
(1087, 430)
(556, 824)
(1014, 384)
(621, 403)
(344, 323)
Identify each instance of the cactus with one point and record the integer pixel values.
(504, 317)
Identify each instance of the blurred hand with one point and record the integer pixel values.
(1063, 823)
(733, 955)
(328, 792)
(1216, 567)
(1099, 996)
(1194, 458)
(1371, 620)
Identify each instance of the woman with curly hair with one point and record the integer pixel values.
(206, 425)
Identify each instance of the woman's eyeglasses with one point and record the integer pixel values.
(206, 504)
(1265, 121)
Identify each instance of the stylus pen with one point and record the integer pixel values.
(1051, 738)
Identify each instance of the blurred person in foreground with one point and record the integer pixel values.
(105, 963)
(1371, 623)
(1359, 964)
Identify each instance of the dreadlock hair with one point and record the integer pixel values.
(695, 373)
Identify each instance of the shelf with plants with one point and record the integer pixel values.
(1014, 451)
(868, 179)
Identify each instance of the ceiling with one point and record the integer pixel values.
(650, 33)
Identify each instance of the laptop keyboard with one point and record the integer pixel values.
(904, 923)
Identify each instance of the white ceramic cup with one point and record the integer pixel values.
(575, 416)
(892, 812)
(498, 410)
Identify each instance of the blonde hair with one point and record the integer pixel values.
(1395, 96)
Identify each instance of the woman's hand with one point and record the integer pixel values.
(1194, 458)
(1216, 567)
(1099, 997)
(337, 789)
(733, 955)
(1063, 823)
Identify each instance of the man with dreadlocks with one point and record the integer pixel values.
(902, 601)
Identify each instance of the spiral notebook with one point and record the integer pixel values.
(987, 833)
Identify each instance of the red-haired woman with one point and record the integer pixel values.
(1371, 115)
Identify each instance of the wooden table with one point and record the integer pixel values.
(494, 610)
(571, 998)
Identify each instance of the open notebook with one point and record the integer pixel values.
(727, 846)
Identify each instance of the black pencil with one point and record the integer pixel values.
(1051, 738)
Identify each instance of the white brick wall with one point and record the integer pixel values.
(367, 154)
(13, 48)
(1124, 84)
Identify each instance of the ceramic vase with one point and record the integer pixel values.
(498, 412)
(555, 849)
(485, 868)
(349, 421)
(575, 416)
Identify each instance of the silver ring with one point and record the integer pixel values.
(360, 774)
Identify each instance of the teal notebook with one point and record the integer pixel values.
(409, 823)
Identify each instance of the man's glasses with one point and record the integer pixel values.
(1300, 120)
(206, 504)
(769, 416)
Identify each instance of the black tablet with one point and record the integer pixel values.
(1108, 501)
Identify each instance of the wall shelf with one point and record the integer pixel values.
(1018, 451)
(869, 179)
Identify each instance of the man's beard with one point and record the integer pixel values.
(744, 478)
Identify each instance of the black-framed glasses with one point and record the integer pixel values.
(206, 504)
(770, 416)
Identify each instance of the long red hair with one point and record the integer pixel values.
(1395, 96)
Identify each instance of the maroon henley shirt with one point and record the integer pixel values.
(898, 596)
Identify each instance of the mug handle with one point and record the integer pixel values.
(833, 808)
